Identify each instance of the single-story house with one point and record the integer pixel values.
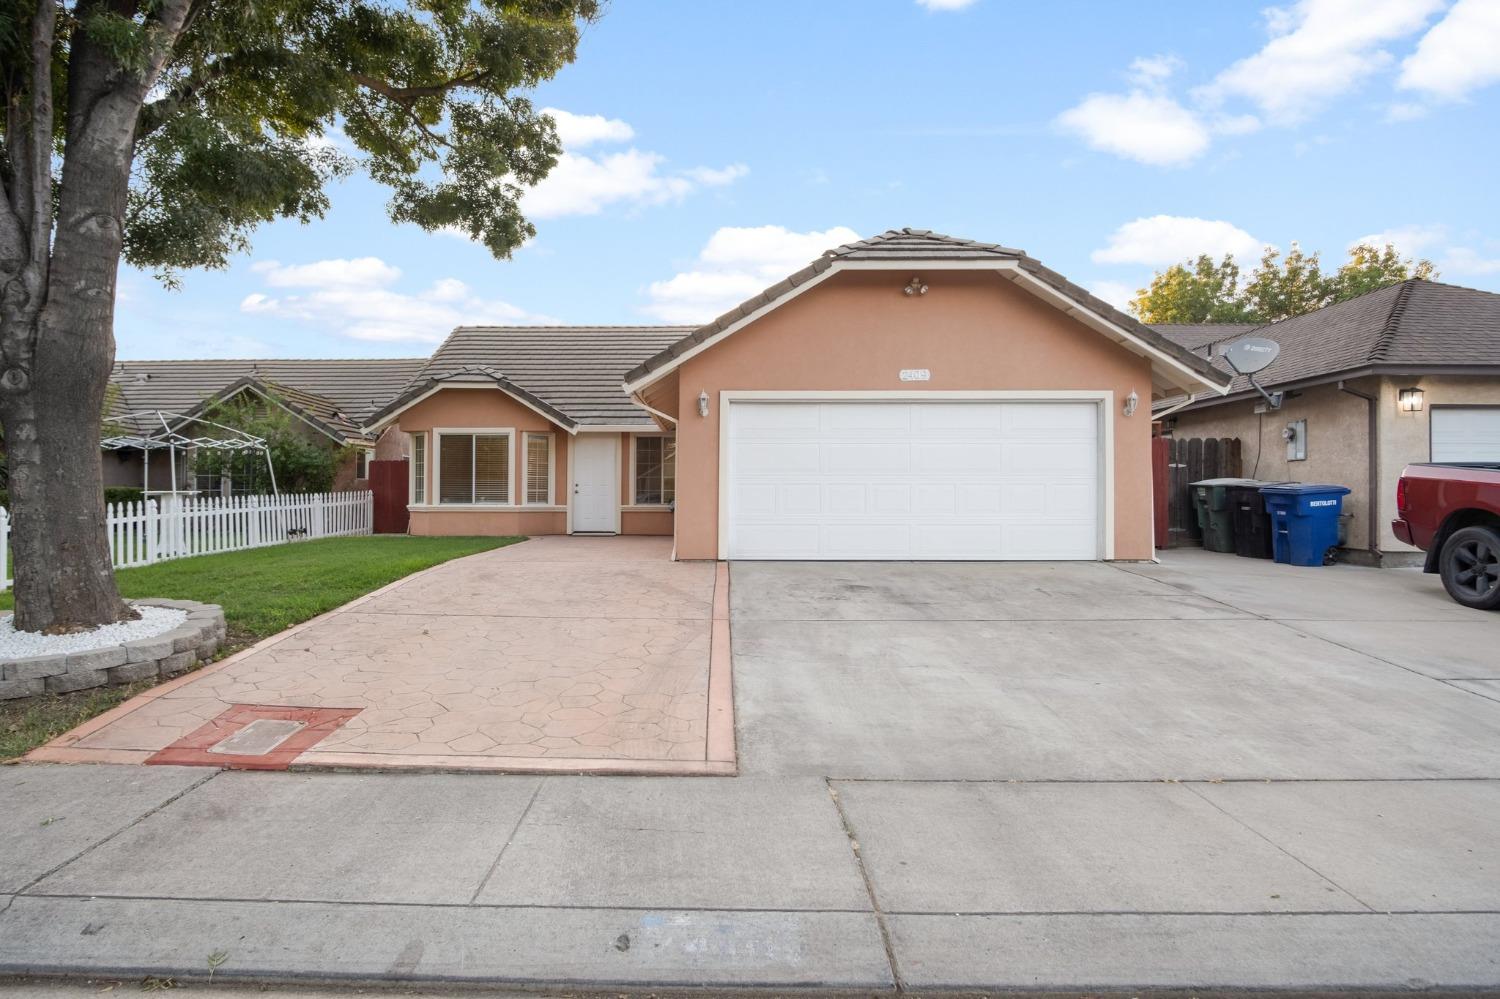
(1408, 373)
(908, 396)
(330, 398)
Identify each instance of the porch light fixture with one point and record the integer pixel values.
(1131, 402)
(702, 403)
(914, 287)
(1409, 400)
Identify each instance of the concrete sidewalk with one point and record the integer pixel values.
(1211, 774)
(652, 882)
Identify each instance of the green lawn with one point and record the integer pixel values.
(262, 591)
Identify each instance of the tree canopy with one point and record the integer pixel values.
(257, 105)
(163, 132)
(1209, 291)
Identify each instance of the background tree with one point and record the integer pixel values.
(1202, 291)
(303, 463)
(166, 131)
(1199, 291)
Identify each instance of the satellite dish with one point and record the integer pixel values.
(1251, 354)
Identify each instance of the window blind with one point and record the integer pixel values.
(419, 468)
(538, 468)
(455, 468)
(491, 468)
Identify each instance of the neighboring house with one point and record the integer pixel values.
(1408, 373)
(909, 396)
(330, 398)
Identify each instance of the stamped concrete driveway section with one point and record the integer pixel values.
(556, 654)
(1099, 672)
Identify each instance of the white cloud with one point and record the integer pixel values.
(358, 299)
(1409, 240)
(945, 4)
(735, 264)
(1459, 55)
(1153, 71)
(578, 130)
(1162, 240)
(1116, 293)
(1465, 260)
(1318, 50)
(1147, 127)
(583, 184)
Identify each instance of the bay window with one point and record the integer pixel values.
(419, 468)
(474, 467)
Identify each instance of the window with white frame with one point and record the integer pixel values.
(362, 460)
(655, 470)
(473, 467)
(419, 468)
(538, 481)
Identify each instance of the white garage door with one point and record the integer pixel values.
(913, 480)
(1466, 433)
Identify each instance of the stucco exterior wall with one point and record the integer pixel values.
(490, 409)
(856, 331)
(1337, 443)
(1405, 437)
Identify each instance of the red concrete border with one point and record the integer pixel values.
(192, 750)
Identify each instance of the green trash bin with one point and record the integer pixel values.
(1215, 512)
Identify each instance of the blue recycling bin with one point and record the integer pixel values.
(1304, 521)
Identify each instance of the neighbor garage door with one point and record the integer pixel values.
(913, 480)
(1466, 433)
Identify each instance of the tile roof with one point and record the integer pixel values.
(337, 392)
(922, 246)
(1408, 326)
(575, 371)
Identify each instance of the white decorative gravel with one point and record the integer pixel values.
(22, 644)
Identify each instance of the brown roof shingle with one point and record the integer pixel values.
(1412, 325)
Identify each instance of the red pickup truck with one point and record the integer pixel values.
(1452, 512)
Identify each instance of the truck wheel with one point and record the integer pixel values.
(1470, 566)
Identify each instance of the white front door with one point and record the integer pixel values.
(914, 480)
(596, 483)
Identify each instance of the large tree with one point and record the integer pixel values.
(1203, 291)
(166, 131)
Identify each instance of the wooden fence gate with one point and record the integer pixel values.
(388, 481)
(1175, 463)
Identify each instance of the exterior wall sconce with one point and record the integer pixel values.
(702, 403)
(914, 287)
(1409, 400)
(1131, 402)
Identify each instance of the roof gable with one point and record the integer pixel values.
(899, 248)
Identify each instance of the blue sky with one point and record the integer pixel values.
(713, 147)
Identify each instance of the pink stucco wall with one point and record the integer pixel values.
(481, 409)
(973, 330)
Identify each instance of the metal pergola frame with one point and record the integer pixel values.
(170, 439)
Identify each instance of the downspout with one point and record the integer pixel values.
(1372, 444)
(1168, 412)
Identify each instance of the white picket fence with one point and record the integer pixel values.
(169, 527)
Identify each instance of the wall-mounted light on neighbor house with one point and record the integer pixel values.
(702, 403)
(914, 287)
(1409, 400)
(1131, 402)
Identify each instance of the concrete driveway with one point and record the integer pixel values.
(558, 654)
(1205, 667)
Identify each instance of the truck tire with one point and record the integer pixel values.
(1470, 567)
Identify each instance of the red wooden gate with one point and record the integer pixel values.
(388, 481)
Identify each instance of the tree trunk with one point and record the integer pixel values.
(64, 576)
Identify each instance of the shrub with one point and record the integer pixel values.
(123, 494)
